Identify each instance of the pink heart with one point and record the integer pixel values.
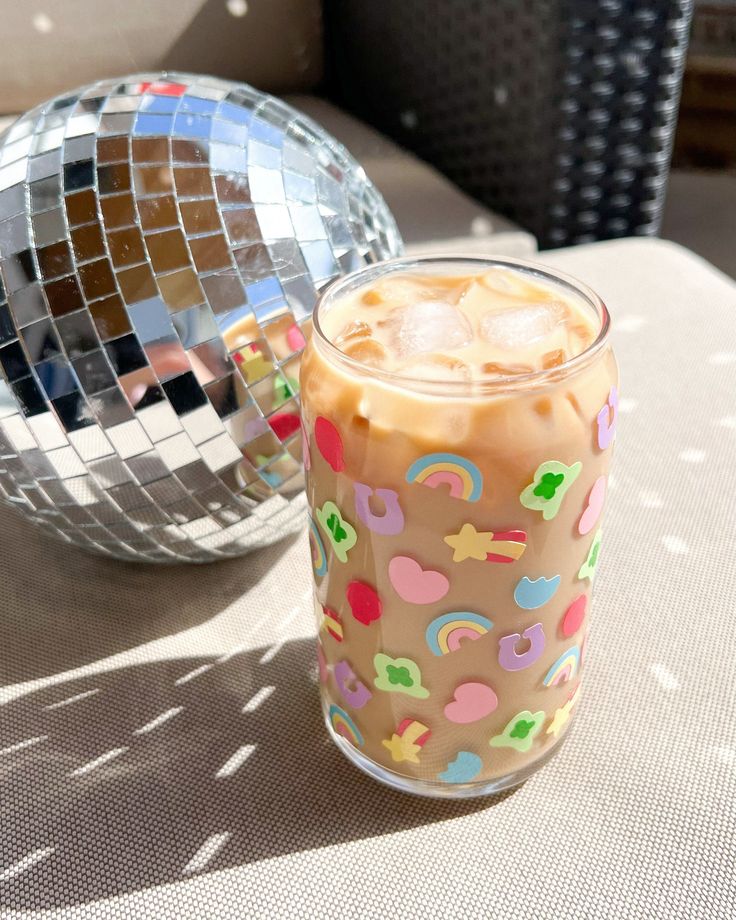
(415, 584)
(472, 701)
(594, 506)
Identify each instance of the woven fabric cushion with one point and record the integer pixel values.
(162, 752)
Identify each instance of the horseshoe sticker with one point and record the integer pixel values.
(354, 692)
(607, 419)
(388, 524)
(510, 659)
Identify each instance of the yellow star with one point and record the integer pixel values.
(253, 365)
(402, 749)
(470, 544)
(561, 716)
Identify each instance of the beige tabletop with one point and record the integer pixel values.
(162, 753)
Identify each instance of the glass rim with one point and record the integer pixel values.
(476, 386)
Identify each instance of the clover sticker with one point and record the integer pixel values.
(520, 732)
(587, 569)
(340, 533)
(551, 481)
(399, 675)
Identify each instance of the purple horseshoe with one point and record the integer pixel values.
(606, 428)
(507, 656)
(390, 522)
(357, 697)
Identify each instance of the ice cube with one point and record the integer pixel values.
(393, 291)
(554, 358)
(438, 367)
(499, 369)
(508, 283)
(502, 281)
(427, 326)
(355, 329)
(398, 290)
(523, 325)
(365, 350)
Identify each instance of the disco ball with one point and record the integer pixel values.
(163, 239)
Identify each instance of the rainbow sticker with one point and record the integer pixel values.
(319, 556)
(444, 634)
(343, 725)
(565, 668)
(462, 476)
(332, 623)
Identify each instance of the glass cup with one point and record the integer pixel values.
(442, 672)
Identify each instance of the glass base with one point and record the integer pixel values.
(439, 790)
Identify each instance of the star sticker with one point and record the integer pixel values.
(407, 741)
(402, 749)
(470, 544)
(561, 716)
(253, 365)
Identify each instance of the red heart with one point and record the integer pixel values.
(329, 443)
(574, 616)
(284, 424)
(364, 602)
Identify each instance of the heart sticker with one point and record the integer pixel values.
(593, 507)
(472, 701)
(414, 584)
(329, 443)
(364, 602)
(295, 338)
(574, 616)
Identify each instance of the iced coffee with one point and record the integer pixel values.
(459, 419)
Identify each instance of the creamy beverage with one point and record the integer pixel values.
(459, 417)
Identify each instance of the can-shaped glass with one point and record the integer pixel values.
(455, 529)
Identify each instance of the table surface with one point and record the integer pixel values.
(161, 746)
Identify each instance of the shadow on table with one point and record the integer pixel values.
(62, 608)
(185, 795)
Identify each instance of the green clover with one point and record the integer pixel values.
(548, 485)
(588, 568)
(551, 481)
(520, 732)
(521, 729)
(399, 675)
(283, 389)
(335, 527)
(341, 534)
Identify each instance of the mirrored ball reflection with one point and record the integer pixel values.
(163, 240)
